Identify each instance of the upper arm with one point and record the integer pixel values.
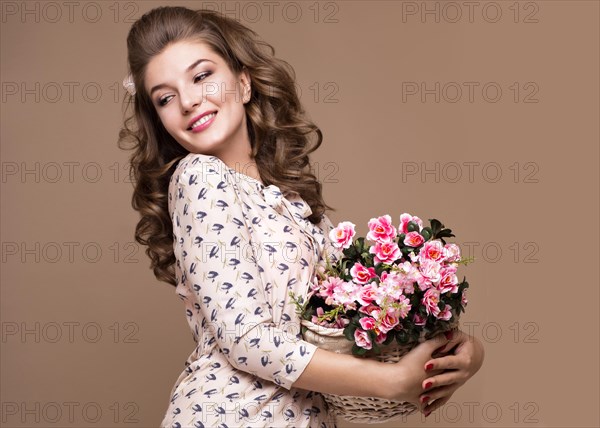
(216, 252)
(214, 247)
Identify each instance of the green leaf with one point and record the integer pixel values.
(426, 233)
(349, 332)
(436, 226)
(445, 233)
(412, 226)
(357, 350)
(389, 338)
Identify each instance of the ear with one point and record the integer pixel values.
(246, 84)
(244, 76)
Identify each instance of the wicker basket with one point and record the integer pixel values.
(363, 409)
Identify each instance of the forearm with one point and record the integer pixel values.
(342, 374)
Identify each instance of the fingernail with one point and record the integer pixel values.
(428, 385)
(440, 349)
(429, 366)
(448, 334)
(425, 399)
(427, 414)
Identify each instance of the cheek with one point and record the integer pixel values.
(229, 93)
(167, 119)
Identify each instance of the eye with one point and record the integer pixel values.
(162, 101)
(201, 76)
(197, 78)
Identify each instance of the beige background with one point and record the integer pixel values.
(90, 338)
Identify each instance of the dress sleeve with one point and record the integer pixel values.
(217, 259)
(329, 251)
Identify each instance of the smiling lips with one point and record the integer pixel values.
(200, 123)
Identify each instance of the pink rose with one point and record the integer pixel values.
(389, 320)
(423, 282)
(341, 236)
(407, 218)
(431, 298)
(362, 339)
(381, 229)
(385, 252)
(380, 338)
(452, 252)
(367, 293)
(433, 250)
(371, 310)
(449, 281)
(367, 323)
(361, 274)
(445, 314)
(430, 271)
(413, 239)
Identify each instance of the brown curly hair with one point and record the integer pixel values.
(277, 124)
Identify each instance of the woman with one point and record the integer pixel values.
(235, 220)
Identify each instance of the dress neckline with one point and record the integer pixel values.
(240, 174)
(245, 177)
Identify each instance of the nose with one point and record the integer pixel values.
(189, 101)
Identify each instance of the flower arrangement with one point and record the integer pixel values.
(402, 288)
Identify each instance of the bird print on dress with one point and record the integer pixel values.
(240, 248)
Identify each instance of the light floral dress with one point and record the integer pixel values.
(241, 248)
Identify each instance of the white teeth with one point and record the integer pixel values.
(203, 119)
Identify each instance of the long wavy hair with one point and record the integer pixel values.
(280, 133)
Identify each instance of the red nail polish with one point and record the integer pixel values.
(449, 334)
(440, 349)
(427, 414)
(425, 399)
(428, 385)
(429, 366)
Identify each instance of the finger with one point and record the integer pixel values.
(447, 378)
(448, 362)
(454, 338)
(436, 342)
(436, 393)
(436, 405)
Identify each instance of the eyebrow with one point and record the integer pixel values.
(190, 68)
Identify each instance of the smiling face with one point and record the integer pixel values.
(200, 100)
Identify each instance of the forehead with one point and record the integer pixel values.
(176, 57)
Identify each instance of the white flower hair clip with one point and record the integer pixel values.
(129, 85)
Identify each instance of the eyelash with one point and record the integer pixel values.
(163, 101)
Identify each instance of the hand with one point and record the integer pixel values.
(460, 359)
(410, 370)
